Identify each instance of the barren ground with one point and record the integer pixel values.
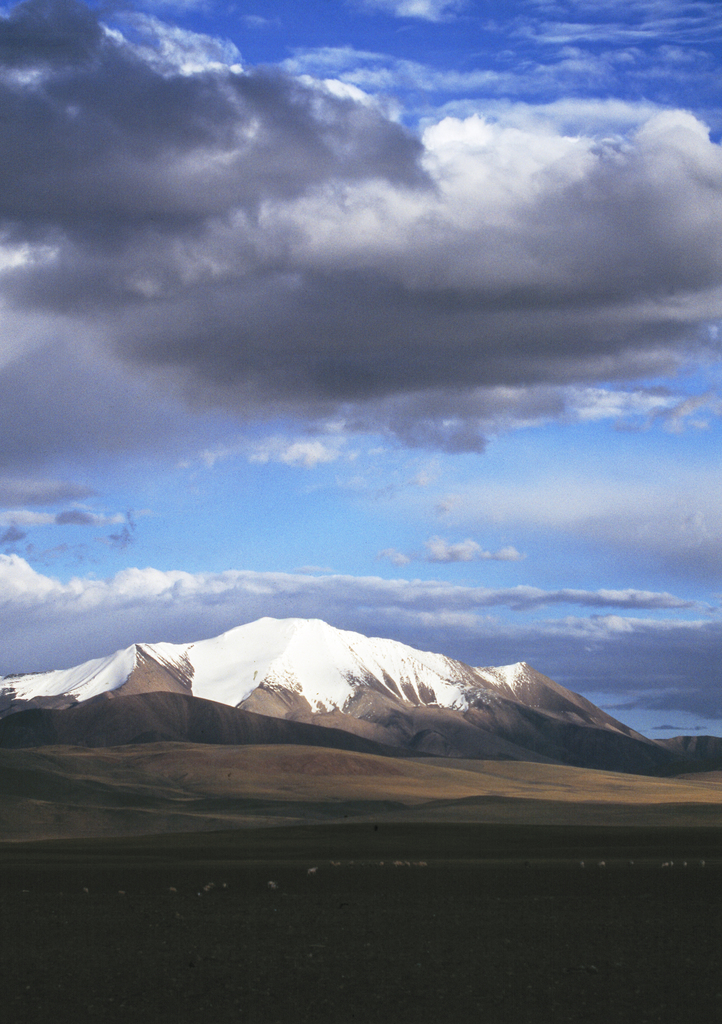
(502, 926)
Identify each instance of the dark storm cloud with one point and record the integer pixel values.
(42, 32)
(271, 244)
(425, 420)
(601, 279)
(102, 144)
(60, 399)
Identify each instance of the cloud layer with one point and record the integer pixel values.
(261, 242)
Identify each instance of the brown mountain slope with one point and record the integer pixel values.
(704, 751)
(494, 726)
(524, 684)
(109, 720)
(502, 729)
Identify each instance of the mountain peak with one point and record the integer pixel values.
(308, 671)
(323, 667)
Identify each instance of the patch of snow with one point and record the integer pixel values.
(82, 681)
(511, 676)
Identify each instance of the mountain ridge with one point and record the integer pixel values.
(385, 692)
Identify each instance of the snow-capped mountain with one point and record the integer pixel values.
(307, 671)
(306, 659)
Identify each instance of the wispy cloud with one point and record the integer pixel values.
(16, 492)
(578, 87)
(666, 522)
(621, 23)
(440, 550)
(67, 517)
(23, 582)
(171, 49)
(124, 537)
(12, 535)
(258, 22)
(426, 10)
(397, 558)
(308, 453)
(437, 549)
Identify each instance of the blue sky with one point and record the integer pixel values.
(404, 314)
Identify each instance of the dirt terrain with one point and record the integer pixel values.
(368, 924)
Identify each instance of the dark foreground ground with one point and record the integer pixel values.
(426, 925)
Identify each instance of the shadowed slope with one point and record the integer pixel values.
(498, 728)
(504, 729)
(705, 752)
(109, 720)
